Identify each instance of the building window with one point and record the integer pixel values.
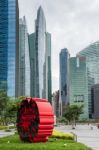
(78, 98)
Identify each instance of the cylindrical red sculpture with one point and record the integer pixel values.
(35, 120)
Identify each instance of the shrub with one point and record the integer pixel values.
(61, 135)
(3, 127)
(61, 120)
(7, 127)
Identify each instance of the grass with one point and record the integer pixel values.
(13, 143)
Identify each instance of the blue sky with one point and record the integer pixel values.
(74, 24)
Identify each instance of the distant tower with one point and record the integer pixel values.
(91, 53)
(24, 60)
(79, 84)
(48, 64)
(63, 79)
(40, 58)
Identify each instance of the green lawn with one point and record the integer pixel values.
(13, 143)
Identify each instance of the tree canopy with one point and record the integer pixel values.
(3, 100)
(72, 112)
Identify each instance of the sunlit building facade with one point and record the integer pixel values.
(40, 58)
(24, 60)
(40, 46)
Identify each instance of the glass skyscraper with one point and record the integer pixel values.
(92, 63)
(40, 46)
(8, 45)
(79, 84)
(95, 101)
(32, 65)
(24, 60)
(40, 58)
(64, 77)
(48, 64)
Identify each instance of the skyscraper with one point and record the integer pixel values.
(79, 84)
(32, 65)
(40, 54)
(48, 64)
(64, 77)
(92, 63)
(95, 101)
(24, 60)
(40, 58)
(8, 45)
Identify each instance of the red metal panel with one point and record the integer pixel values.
(35, 120)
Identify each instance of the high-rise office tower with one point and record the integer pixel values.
(40, 45)
(9, 45)
(92, 63)
(95, 101)
(40, 58)
(32, 64)
(48, 63)
(64, 78)
(79, 84)
(24, 60)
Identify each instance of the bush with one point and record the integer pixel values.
(61, 120)
(7, 127)
(61, 135)
(12, 127)
(3, 127)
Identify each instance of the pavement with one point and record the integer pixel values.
(86, 134)
(4, 134)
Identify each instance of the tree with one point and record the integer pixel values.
(8, 108)
(72, 113)
(3, 101)
(11, 110)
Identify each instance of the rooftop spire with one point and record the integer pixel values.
(40, 10)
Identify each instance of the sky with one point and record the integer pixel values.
(73, 24)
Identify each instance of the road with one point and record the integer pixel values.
(85, 134)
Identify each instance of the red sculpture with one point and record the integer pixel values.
(35, 120)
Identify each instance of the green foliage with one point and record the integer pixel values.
(3, 101)
(62, 135)
(13, 142)
(73, 112)
(61, 120)
(7, 127)
(3, 127)
(8, 108)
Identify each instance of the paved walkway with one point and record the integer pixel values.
(3, 133)
(85, 134)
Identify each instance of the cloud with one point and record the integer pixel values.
(73, 24)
